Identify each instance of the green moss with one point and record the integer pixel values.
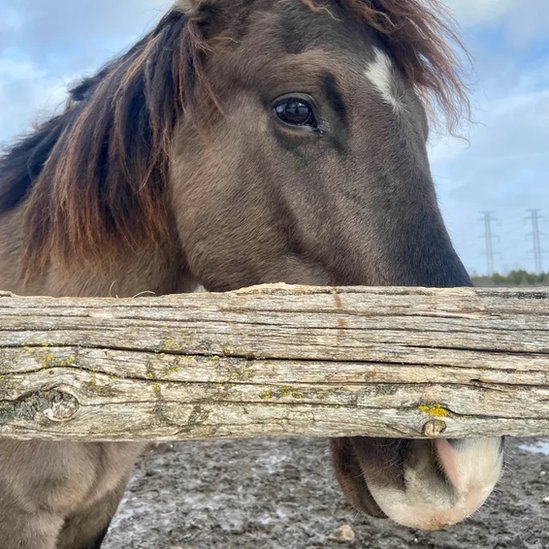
(97, 389)
(157, 389)
(170, 344)
(174, 367)
(69, 361)
(286, 391)
(47, 361)
(224, 387)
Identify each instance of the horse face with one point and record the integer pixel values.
(316, 172)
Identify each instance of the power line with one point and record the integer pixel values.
(535, 218)
(489, 241)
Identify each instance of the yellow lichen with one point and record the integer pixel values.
(174, 367)
(96, 388)
(170, 344)
(48, 360)
(282, 392)
(287, 391)
(69, 361)
(434, 410)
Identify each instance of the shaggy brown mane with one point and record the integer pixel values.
(419, 35)
(95, 176)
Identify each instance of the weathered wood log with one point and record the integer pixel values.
(276, 360)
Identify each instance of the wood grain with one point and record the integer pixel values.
(276, 360)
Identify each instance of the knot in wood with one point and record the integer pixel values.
(63, 408)
(434, 427)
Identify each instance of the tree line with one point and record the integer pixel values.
(518, 277)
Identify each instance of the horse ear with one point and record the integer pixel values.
(190, 8)
(197, 9)
(205, 12)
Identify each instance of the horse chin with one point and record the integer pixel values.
(422, 484)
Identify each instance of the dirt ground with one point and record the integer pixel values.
(280, 493)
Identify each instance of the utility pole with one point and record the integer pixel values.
(489, 241)
(535, 218)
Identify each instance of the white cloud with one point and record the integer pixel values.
(27, 93)
(505, 165)
(46, 46)
(522, 22)
(503, 168)
(480, 11)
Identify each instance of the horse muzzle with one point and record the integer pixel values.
(424, 484)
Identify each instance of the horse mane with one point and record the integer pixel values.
(95, 176)
(420, 35)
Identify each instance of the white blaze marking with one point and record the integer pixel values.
(380, 74)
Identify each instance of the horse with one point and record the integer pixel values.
(242, 142)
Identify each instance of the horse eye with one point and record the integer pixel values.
(295, 112)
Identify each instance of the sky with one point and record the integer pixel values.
(502, 166)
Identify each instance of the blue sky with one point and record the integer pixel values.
(503, 166)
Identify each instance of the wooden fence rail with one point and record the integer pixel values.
(276, 360)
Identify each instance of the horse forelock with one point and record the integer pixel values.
(421, 38)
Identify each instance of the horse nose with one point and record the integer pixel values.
(421, 484)
(469, 470)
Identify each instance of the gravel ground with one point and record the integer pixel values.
(280, 493)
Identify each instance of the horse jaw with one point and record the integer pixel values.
(435, 485)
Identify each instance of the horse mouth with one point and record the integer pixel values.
(351, 479)
(422, 484)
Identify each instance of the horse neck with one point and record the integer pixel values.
(156, 270)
